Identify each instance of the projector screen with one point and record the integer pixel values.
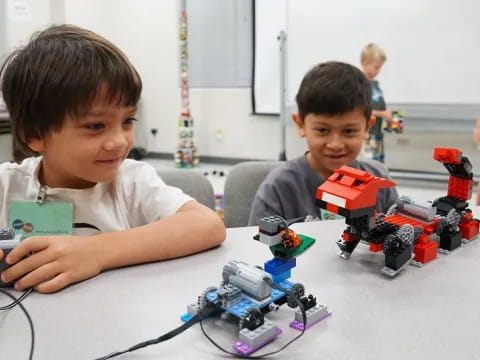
(432, 46)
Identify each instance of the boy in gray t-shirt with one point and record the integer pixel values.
(334, 115)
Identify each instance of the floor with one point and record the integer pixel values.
(217, 173)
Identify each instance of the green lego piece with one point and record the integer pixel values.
(280, 252)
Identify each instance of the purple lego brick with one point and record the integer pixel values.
(299, 326)
(246, 349)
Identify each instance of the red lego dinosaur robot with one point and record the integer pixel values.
(408, 230)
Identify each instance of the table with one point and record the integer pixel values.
(423, 313)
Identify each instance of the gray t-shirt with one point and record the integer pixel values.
(289, 190)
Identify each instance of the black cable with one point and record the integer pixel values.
(237, 355)
(289, 222)
(30, 322)
(207, 311)
(17, 301)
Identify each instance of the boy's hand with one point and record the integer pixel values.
(388, 116)
(56, 262)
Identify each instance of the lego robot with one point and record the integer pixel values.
(249, 292)
(408, 232)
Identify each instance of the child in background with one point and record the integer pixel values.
(72, 98)
(372, 59)
(334, 115)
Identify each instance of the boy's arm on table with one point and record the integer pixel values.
(193, 228)
(61, 260)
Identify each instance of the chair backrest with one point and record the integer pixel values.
(192, 182)
(241, 185)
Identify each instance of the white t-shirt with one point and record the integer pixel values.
(136, 197)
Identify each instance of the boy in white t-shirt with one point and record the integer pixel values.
(72, 98)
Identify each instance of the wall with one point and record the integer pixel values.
(3, 33)
(18, 31)
(225, 126)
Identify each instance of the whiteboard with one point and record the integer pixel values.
(432, 46)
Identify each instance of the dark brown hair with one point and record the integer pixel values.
(334, 88)
(60, 72)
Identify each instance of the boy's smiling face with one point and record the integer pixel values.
(333, 140)
(88, 148)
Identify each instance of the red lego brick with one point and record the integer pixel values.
(347, 237)
(447, 155)
(332, 208)
(334, 177)
(459, 188)
(399, 220)
(347, 180)
(376, 247)
(352, 188)
(425, 250)
(431, 228)
(355, 173)
(467, 216)
(423, 239)
(469, 229)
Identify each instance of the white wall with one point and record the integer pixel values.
(18, 30)
(227, 112)
(3, 17)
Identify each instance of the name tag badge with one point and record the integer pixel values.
(41, 219)
(327, 215)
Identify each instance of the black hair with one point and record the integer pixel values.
(334, 88)
(60, 72)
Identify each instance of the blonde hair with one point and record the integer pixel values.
(373, 52)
